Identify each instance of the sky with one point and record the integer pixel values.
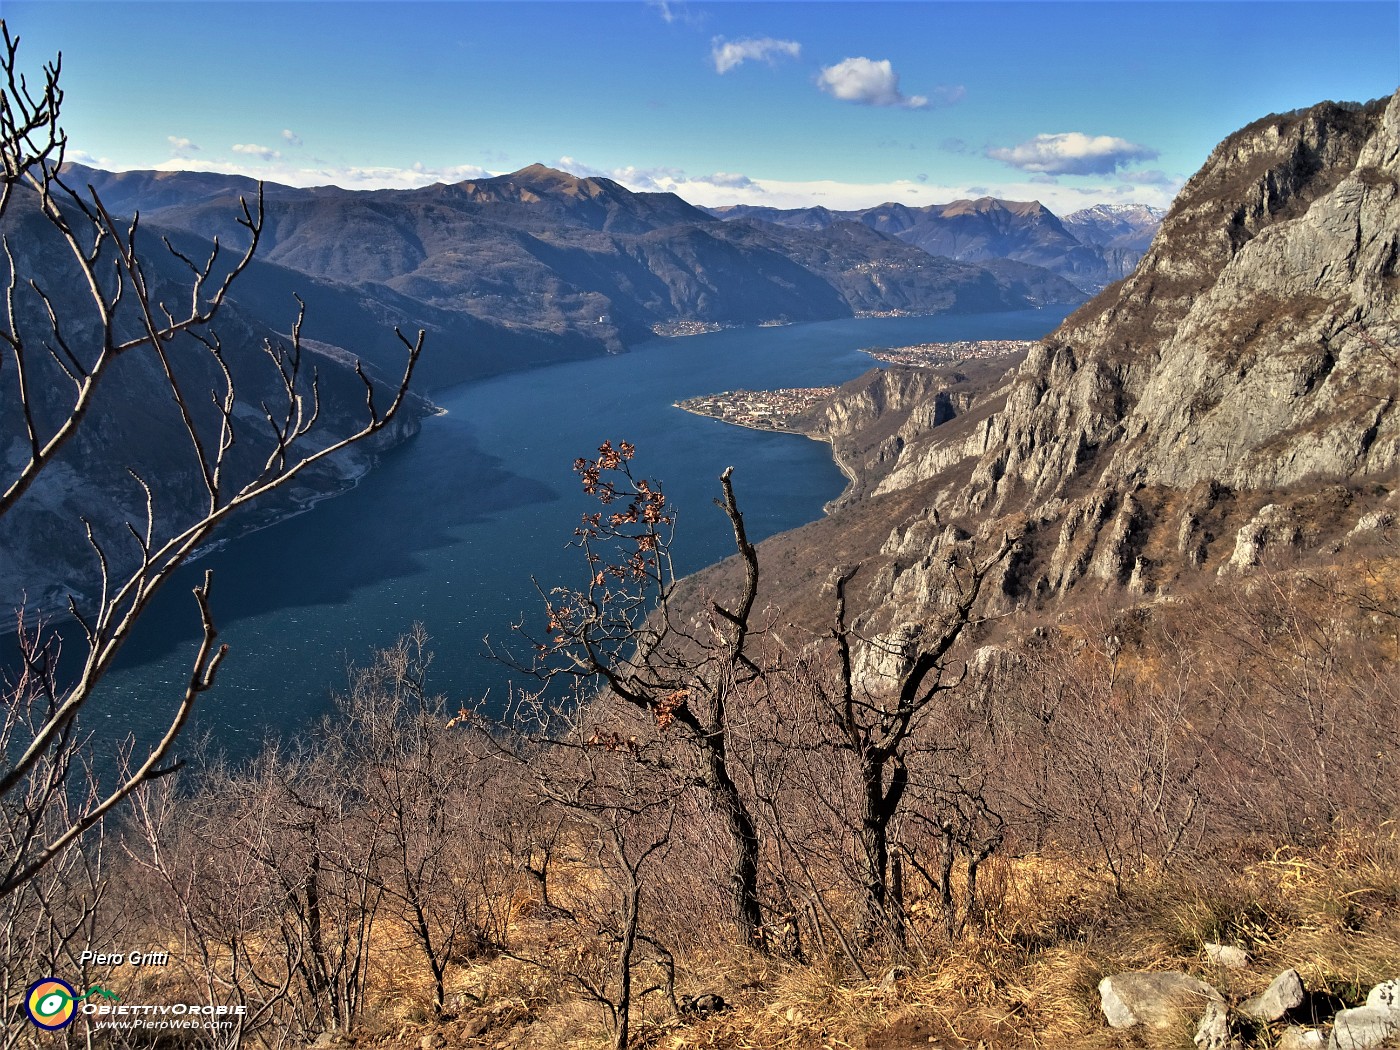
(845, 104)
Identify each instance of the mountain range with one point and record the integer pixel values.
(1090, 248)
(539, 265)
(504, 273)
(1161, 426)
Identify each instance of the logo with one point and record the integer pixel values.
(51, 1003)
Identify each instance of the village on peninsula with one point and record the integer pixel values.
(778, 409)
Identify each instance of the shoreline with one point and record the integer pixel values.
(56, 608)
(848, 472)
(783, 410)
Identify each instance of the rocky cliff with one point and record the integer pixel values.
(1235, 394)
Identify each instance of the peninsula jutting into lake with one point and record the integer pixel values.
(779, 409)
(758, 409)
(926, 355)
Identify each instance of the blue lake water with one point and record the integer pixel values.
(452, 527)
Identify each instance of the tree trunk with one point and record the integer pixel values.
(743, 839)
(879, 806)
(631, 912)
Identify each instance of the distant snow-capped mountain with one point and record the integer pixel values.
(1115, 225)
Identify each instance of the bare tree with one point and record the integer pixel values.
(876, 720)
(619, 798)
(623, 632)
(426, 787)
(59, 348)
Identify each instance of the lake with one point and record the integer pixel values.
(454, 527)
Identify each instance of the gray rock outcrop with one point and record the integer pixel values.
(1284, 993)
(1369, 1026)
(1156, 1000)
(1235, 396)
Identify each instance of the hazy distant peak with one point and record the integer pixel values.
(1143, 213)
(543, 173)
(984, 205)
(1123, 226)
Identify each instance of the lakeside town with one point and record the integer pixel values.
(777, 409)
(677, 329)
(926, 355)
(758, 409)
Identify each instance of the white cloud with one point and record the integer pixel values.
(181, 144)
(848, 196)
(584, 171)
(347, 177)
(641, 180)
(1150, 178)
(723, 188)
(82, 156)
(730, 54)
(291, 137)
(1072, 153)
(673, 11)
(867, 82)
(729, 180)
(251, 150)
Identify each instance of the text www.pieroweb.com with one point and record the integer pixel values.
(162, 1024)
(147, 1017)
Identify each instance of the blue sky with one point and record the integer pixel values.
(842, 103)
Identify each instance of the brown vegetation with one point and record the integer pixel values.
(724, 835)
(1109, 793)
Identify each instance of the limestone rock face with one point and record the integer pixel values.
(1236, 394)
(1236, 351)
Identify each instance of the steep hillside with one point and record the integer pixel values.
(1235, 396)
(539, 265)
(134, 427)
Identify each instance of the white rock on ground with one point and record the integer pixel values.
(1295, 1038)
(1371, 1025)
(1213, 1033)
(1227, 955)
(1283, 994)
(1157, 1000)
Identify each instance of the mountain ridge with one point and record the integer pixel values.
(1234, 399)
(1097, 248)
(580, 262)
